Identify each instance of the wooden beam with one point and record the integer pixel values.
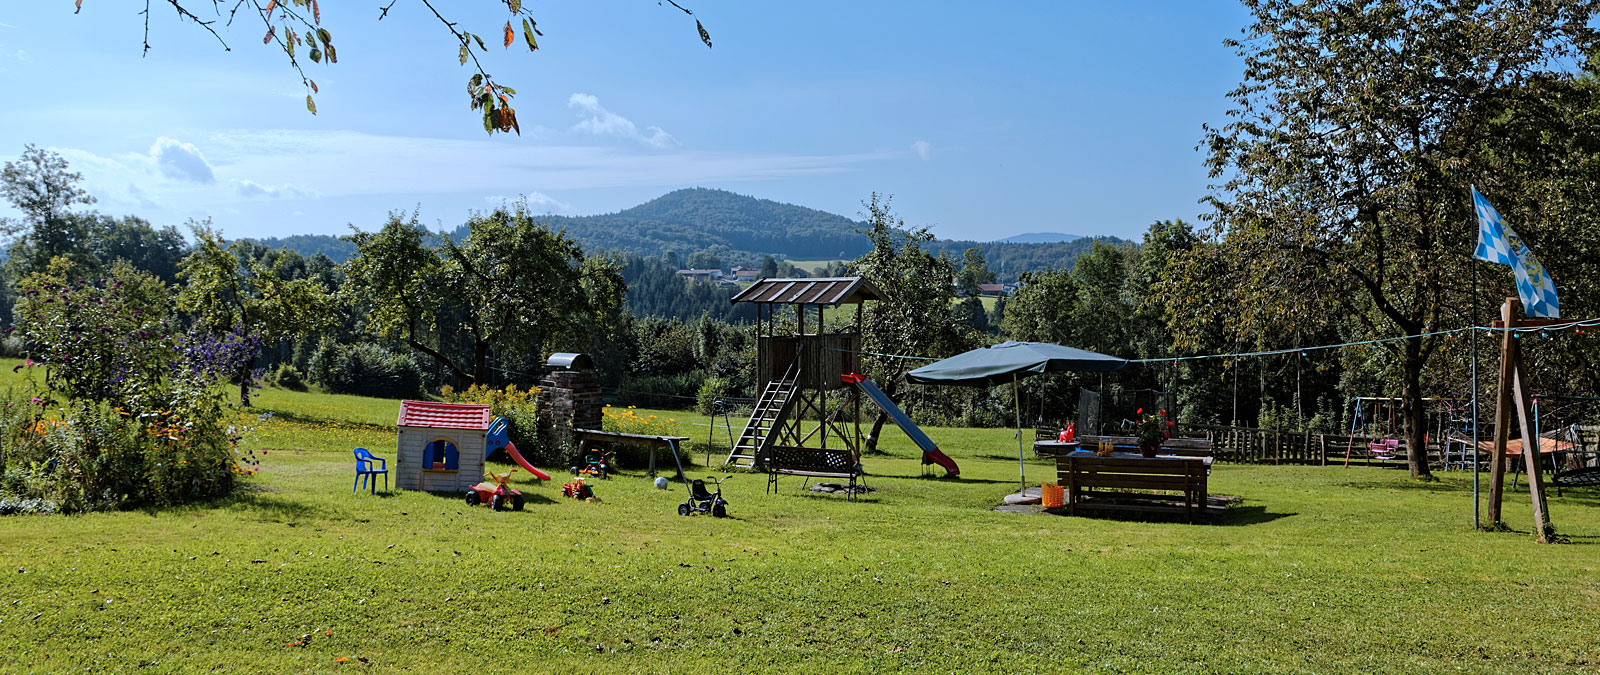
(1531, 457)
(1534, 323)
(1502, 412)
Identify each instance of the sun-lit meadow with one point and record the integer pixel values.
(1319, 569)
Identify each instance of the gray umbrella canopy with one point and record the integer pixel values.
(1008, 362)
(1011, 360)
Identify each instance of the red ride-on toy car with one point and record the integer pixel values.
(498, 494)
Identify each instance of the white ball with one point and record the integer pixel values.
(661, 482)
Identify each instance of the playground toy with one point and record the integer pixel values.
(498, 438)
(661, 482)
(442, 446)
(930, 451)
(497, 493)
(702, 500)
(578, 489)
(598, 466)
(795, 372)
(366, 473)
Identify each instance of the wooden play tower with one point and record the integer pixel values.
(795, 371)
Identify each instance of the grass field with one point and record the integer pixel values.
(1318, 570)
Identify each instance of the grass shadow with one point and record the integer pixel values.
(1409, 485)
(298, 418)
(1248, 515)
(1013, 458)
(262, 500)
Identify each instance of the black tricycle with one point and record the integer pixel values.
(703, 500)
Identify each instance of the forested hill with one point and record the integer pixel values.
(700, 219)
(1008, 260)
(740, 230)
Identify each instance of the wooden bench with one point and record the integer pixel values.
(1588, 476)
(1132, 484)
(672, 443)
(1182, 447)
(788, 460)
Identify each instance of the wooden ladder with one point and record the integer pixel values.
(765, 420)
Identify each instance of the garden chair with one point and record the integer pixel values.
(365, 471)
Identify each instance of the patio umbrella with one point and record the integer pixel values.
(1012, 360)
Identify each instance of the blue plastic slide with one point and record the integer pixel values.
(930, 451)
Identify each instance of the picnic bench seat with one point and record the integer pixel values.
(788, 460)
(1132, 484)
(1587, 476)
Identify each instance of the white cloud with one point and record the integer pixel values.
(361, 164)
(923, 149)
(252, 190)
(537, 202)
(596, 120)
(181, 161)
(24, 56)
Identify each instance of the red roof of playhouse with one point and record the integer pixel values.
(443, 415)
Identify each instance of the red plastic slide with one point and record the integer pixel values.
(511, 449)
(938, 457)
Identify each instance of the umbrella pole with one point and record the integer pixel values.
(1016, 400)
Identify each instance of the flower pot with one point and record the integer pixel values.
(1149, 449)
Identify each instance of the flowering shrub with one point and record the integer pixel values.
(518, 406)
(129, 413)
(627, 421)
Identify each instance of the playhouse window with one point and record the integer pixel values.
(441, 451)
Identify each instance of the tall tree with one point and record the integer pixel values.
(511, 287)
(246, 296)
(1355, 132)
(44, 190)
(913, 318)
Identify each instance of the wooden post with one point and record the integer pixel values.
(1502, 410)
(1530, 455)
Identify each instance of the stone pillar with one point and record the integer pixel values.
(568, 399)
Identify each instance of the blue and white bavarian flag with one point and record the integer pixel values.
(1498, 244)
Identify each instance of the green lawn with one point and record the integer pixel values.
(1319, 570)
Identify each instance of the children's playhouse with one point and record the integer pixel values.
(441, 446)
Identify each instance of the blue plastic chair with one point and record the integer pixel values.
(366, 472)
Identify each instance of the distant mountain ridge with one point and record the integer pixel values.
(742, 230)
(1039, 238)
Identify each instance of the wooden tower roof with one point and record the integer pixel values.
(829, 291)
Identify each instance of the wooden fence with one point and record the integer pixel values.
(1246, 445)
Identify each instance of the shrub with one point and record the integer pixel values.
(629, 421)
(711, 389)
(288, 377)
(520, 408)
(662, 391)
(366, 370)
(129, 413)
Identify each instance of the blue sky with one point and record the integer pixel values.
(983, 120)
